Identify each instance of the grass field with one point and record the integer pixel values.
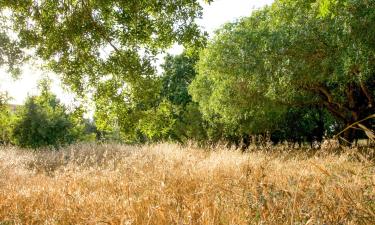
(168, 184)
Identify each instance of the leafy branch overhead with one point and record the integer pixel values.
(86, 40)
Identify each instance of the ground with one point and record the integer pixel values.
(170, 184)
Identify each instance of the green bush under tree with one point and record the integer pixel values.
(44, 121)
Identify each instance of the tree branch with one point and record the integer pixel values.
(356, 71)
(98, 27)
(337, 109)
(326, 93)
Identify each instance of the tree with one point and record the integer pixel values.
(89, 42)
(118, 114)
(332, 55)
(290, 54)
(102, 47)
(11, 54)
(188, 122)
(178, 73)
(4, 98)
(163, 111)
(232, 79)
(44, 121)
(158, 123)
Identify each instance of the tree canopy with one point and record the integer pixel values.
(295, 70)
(88, 41)
(293, 53)
(163, 112)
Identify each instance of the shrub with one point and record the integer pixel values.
(44, 121)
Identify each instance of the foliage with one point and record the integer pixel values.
(11, 54)
(44, 121)
(107, 48)
(288, 55)
(227, 87)
(294, 70)
(6, 120)
(163, 111)
(305, 124)
(4, 98)
(118, 114)
(90, 42)
(178, 73)
(157, 123)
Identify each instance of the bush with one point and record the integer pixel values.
(44, 121)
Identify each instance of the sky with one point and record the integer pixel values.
(214, 15)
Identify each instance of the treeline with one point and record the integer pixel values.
(172, 115)
(296, 71)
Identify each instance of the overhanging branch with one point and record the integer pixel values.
(328, 101)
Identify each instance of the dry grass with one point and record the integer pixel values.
(167, 184)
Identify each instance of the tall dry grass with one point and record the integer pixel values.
(168, 184)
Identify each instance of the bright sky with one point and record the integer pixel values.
(214, 15)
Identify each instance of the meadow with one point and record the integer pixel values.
(171, 184)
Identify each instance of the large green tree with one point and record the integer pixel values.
(292, 54)
(330, 51)
(232, 82)
(104, 48)
(89, 42)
